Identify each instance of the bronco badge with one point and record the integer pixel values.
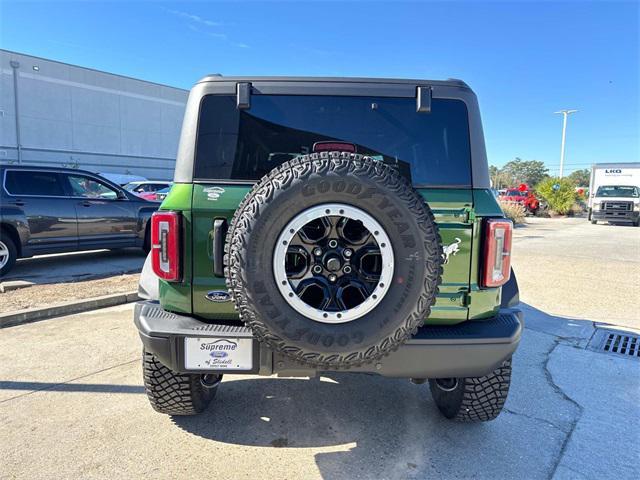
(213, 193)
(452, 249)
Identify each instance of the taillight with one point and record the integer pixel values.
(497, 252)
(165, 245)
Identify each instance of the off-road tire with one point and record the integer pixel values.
(13, 253)
(262, 312)
(174, 393)
(474, 399)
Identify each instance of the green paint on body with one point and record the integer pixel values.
(176, 296)
(458, 212)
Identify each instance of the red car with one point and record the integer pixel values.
(151, 196)
(525, 197)
(514, 195)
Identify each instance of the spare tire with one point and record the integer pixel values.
(333, 259)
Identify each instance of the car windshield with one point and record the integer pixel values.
(430, 148)
(516, 193)
(617, 191)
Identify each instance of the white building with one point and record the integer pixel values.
(52, 113)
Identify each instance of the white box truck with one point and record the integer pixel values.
(614, 193)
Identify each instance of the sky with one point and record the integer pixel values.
(524, 60)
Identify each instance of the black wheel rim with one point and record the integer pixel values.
(334, 263)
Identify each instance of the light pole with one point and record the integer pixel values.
(565, 114)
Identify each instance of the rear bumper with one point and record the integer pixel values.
(470, 349)
(615, 216)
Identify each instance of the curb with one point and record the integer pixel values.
(14, 285)
(29, 315)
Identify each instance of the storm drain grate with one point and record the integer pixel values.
(622, 344)
(619, 343)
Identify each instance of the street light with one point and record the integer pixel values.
(565, 114)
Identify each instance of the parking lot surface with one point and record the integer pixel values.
(568, 267)
(72, 403)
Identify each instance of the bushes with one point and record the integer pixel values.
(513, 211)
(561, 198)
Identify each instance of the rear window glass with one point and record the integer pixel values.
(431, 148)
(33, 183)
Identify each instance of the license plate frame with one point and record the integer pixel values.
(233, 354)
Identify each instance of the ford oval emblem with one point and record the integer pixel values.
(218, 296)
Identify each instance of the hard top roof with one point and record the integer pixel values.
(220, 78)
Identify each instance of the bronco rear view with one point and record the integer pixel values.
(330, 224)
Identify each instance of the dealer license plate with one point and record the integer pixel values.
(218, 353)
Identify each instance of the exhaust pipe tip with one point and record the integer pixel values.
(210, 380)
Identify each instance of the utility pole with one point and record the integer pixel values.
(565, 114)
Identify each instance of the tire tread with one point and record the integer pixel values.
(477, 399)
(297, 170)
(173, 393)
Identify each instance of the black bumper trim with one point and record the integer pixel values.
(615, 216)
(472, 348)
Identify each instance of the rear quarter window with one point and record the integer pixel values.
(33, 183)
(431, 148)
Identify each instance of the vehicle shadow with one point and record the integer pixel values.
(367, 426)
(70, 387)
(612, 223)
(76, 266)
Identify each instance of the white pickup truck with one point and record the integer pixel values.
(614, 193)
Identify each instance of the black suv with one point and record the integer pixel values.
(54, 210)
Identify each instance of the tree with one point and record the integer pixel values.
(580, 178)
(499, 178)
(560, 194)
(520, 171)
(494, 175)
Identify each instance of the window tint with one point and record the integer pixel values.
(90, 188)
(33, 183)
(433, 148)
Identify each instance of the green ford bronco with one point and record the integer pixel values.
(330, 224)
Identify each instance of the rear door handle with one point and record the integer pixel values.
(17, 203)
(219, 234)
(86, 204)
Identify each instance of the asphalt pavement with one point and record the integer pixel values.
(72, 403)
